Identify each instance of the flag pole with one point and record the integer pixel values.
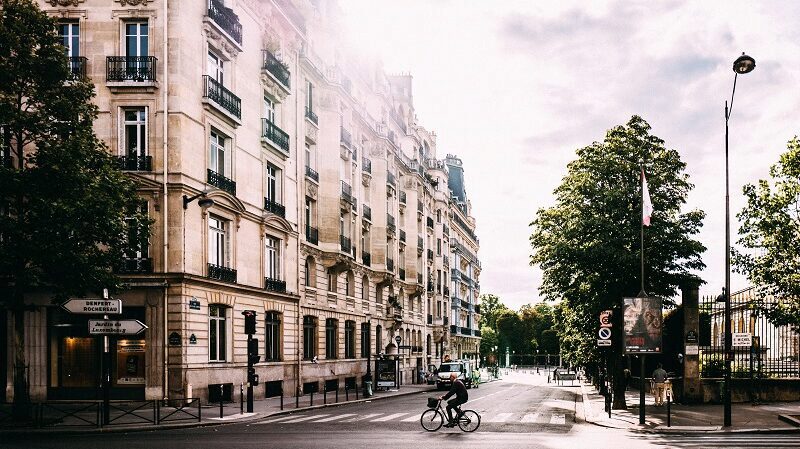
(642, 293)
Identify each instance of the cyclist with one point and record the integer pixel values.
(460, 390)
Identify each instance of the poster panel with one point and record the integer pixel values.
(643, 322)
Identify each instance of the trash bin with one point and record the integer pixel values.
(367, 388)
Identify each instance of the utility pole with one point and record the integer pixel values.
(252, 355)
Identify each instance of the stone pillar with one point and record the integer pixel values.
(692, 387)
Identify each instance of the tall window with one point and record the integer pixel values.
(136, 39)
(309, 213)
(217, 333)
(216, 68)
(366, 340)
(331, 338)
(311, 273)
(70, 37)
(137, 240)
(273, 258)
(309, 337)
(218, 241)
(378, 340)
(269, 109)
(273, 184)
(349, 339)
(365, 289)
(438, 247)
(309, 96)
(310, 159)
(273, 337)
(216, 159)
(134, 128)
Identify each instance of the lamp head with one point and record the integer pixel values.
(205, 202)
(744, 64)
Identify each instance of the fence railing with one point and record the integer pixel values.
(131, 68)
(66, 414)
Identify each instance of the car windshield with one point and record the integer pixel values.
(450, 368)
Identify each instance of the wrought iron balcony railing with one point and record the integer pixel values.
(366, 258)
(275, 285)
(466, 331)
(221, 273)
(312, 235)
(131, 265)
(131, 68)
(347, 192)
(135, 163)
(465, 304)
(345, 138)
(226, 19)
(216, 92)
(275, 135)
(77, 66)
(219, 180)
(430, 254)
(419, 206)
(367, 212)
(366, 165)
(312, 116)
(390, 226)
(402, 235)
(390, 179)
(277, 68)
(345, 243)
(274, 207)
(453, 329)
(311, 173)
(389, 264)
(476, 332)
(402, 272)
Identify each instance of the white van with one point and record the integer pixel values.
(461, 367)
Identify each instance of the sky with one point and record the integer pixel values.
(515, 87)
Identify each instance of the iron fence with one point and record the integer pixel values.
(90, 413)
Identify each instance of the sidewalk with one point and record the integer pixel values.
(689, 418)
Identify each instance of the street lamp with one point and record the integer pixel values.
(205, 202)
(367, 387)
(743, 64)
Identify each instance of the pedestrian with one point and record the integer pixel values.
(659, 379)
(626, 377)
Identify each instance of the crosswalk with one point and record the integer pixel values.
(413, 417)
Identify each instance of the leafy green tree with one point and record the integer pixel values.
(63, 201)
(508, 327)
(548, 342)
(491, 306)
(587, 244)
(488, 340)
(770, 227)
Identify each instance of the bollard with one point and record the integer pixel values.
(281, 400)
(669, 416)
(297, 400)
(241, 398)
(325, 396)
(356, 392)
(346, 394)
(220, 400)
(337, 395)
(312, 397)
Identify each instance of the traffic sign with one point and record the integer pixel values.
(93, 306)
(398, 339)
(603, 342)
(741, 339)
(604, 333)
(116, 327)
(605, 318)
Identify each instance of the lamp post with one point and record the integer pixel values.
(743, 64)
(368, 387)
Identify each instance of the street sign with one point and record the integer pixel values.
(404, 347)
(741, 339)
(691, 337)
(116, 327)
(605, 318)
(603, 342)
(604, 333)
(398, 339)
(692, 350)
(93, 306)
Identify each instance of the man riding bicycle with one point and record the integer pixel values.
(460, 390)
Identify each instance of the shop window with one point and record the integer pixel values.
(349, 339)
(331, 338)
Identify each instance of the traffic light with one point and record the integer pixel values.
(252, 351)
(252, 377)
(249, 321)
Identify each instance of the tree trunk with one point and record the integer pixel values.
(21, 407)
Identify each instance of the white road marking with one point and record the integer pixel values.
(501, 417)
(280, 418)
(334, 418)
(558, 419)
(389, 417)
(411, 418)
(305, 418)
(362, 418)
(530, 417)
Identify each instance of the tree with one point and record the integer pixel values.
(67, 213)
(488, 340)
(587, 244)
(491, 306)
(770, 228)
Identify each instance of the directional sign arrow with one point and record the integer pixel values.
(116, 327)
(93, 306)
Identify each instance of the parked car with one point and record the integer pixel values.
(463, 368)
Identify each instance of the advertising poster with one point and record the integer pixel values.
(387, 373)
(130, 362)
(643, 322)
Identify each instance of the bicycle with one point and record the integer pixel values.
(433, 418)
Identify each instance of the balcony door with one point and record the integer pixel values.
(216, 68)
(70, 39)
(137, 49)
(135, 129)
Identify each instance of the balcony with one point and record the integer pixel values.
(345, 138)
(390, 226)
(345, 244)
(221, 273)
(366, 212)
(134, 265)
(465, 304)
(390, 179)
(77, 66)
(347, 193)
(274, 135)
(389, 264)
(419, 278)
(430, 255)
(274, 285)
(312, 174)
(274, 207)
(429, 222)
(402, 272)
(136, 69)
(227, 20)
(477, 308)
(466, 331)
(222, 97)
(402, 197)
(135, 163)
(366, 258)
(402, 236)
(312, 235)
(276, 68)
(310, 115)
(366, 165)
(220, 181)
(453, 329)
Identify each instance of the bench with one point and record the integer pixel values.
(566, 376)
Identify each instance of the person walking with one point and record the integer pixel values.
(659, 379)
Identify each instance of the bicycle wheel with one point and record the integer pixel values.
(431, 420)
(469, 421)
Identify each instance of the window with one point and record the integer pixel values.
(217, 333)
(309, 96)
(137, 239)
(218, 241)
(365, 289)
(309, 213)
(134, 130)
(217, 158)
(70, 38)
(438, 215)
(378, 340)
(269, 109)
(365, 340)
(309, 337)
(273, 268)
(332, 282)
(136, 39)
(216, 68)
(438, 247)
(273, 184)
(428, 345)
(311, 272)
(331, 338)
(310, 156)
(273, 337)
(350, 284)
(349, 339)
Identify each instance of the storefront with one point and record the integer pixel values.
(75, 358)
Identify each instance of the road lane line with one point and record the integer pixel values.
(305, 418)
(412, 418)
(280, 418)
(491, 394)
(362, 418)
(501, 417)
(558, 419)
(530, 417)
(389, 417)
(335, 417)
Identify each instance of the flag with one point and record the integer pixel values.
(647, 205)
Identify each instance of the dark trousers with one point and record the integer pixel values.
(451, 404)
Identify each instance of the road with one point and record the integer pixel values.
(521, 411)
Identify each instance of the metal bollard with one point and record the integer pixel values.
(669, 416)
(346, 394)
(281, 400)
(312, 397)
(220, 400)
(241, 398)
(325, 396)
(337, 395)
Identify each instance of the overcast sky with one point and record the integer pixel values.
(514, 88)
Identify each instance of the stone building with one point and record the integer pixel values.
(287, 177)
